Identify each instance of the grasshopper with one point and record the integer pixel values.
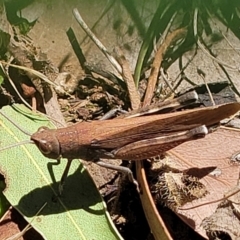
(130, 138)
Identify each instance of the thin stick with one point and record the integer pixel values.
(18, 235)
(104, 12)
(203, 48)
(128, 78)
(166, 80)
(34, 72)
(182, 68)
(202, 75)
(229, 43)
(221, 64)
(13, 85)
(38, 74)
(181, 74)
(88, 31)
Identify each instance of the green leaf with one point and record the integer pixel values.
(79, 213)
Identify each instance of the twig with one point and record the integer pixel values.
(166, 80)
(209, 52)
(202, 75)
(19, 235)
(229, 43)
(12, 84)
(105, 10)
(182, 68)
(221, 64)
(128, 78)
(157, 63)
(88, 31)
(203, 48)
(182, 74)
(35, 73)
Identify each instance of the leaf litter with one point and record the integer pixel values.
(209, 161)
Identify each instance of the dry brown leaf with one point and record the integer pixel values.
(12, 225)
(210, 159)
(225, 221)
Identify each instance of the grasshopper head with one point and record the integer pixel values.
(47, 142)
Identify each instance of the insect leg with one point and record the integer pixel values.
(50, 169)
(122, 169)
(64, 176)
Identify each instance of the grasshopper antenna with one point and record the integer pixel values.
(16, 125)
(16, 144)
(21, 129)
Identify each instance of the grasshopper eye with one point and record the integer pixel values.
(44, 147)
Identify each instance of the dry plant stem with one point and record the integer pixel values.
(215, 59)
(85, 27)
(38, 74)
(156, 223)
(104, 12)
(19, 235)
(25, 57)
(13, 85)
(182, 69)
(128, 78)
(166, 80)
(202, 75)
(230, 44)
(5, 214)
(35, 73)
(203, 48)
(208, 53)
(176, 34)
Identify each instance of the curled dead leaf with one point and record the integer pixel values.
(211, 160)
(223, 223)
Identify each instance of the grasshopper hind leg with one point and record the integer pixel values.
(121, 169)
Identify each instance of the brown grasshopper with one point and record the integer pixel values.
(129, 139)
